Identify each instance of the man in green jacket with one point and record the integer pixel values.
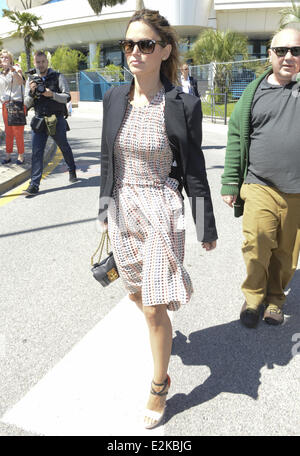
(261, 179)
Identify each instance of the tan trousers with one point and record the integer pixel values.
(271, 227)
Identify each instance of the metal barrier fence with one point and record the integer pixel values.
(220, 84)
(227, 77)
(91, 85)
(213, 110)
(92, 90)
(73, 81)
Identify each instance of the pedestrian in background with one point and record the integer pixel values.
(151, 148)
(188, 83)
(13, 90)
(262, 179)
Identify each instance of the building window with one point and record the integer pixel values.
(111, 56)
(263, 49)
(258, 49)
(250, 49)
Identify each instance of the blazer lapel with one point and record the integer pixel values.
(174, 113)
(116, 117)
(176, 125)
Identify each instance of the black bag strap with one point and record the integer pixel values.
(12, 81)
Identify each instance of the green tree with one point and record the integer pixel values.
(114, 72)
(23, 61)
(97, 5)
(67, 60)
(218, 46)
(290, 15)
(28, 28)
(27, 4)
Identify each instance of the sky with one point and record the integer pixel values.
(2, 5)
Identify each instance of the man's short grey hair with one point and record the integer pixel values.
(294, 26)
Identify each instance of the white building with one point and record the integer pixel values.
(73, 23)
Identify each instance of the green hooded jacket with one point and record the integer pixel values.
(238, 143)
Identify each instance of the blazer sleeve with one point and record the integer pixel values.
(195, 182)
(104, 160)
(195, 87)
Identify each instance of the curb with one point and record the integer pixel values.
(22, 175)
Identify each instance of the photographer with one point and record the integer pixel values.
(48, 93)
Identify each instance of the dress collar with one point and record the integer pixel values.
(171, 91)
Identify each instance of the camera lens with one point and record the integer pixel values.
(41, 88)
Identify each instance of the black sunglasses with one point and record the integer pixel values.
(145, 46)
(281, 51)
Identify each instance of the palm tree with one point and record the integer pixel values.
(27, 4)
(218, 46)
(290, 15)
(97, 5)
(28, 28)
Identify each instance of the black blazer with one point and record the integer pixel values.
(194, 84)
(183, 118)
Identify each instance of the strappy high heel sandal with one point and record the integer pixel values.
(157, 416)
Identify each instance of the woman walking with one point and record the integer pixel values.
(13, 91)
(151, 148)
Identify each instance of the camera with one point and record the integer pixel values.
(31, 71)
(41, 88)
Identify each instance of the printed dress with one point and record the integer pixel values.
(146, 218)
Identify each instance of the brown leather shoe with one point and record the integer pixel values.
(249, 317)
(273, 315)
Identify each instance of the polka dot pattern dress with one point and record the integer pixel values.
(146, 219)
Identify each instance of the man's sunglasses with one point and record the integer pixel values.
(282, 51)
(145, 46)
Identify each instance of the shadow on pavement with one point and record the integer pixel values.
(86, 182)
(48, 227)
(235, 355)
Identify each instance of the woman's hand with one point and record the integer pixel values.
(209, 245)
(17, 74)
(102, 227)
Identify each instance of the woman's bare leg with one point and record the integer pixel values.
(160, 331)
(137, 298)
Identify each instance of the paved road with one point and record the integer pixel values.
(75, 357)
